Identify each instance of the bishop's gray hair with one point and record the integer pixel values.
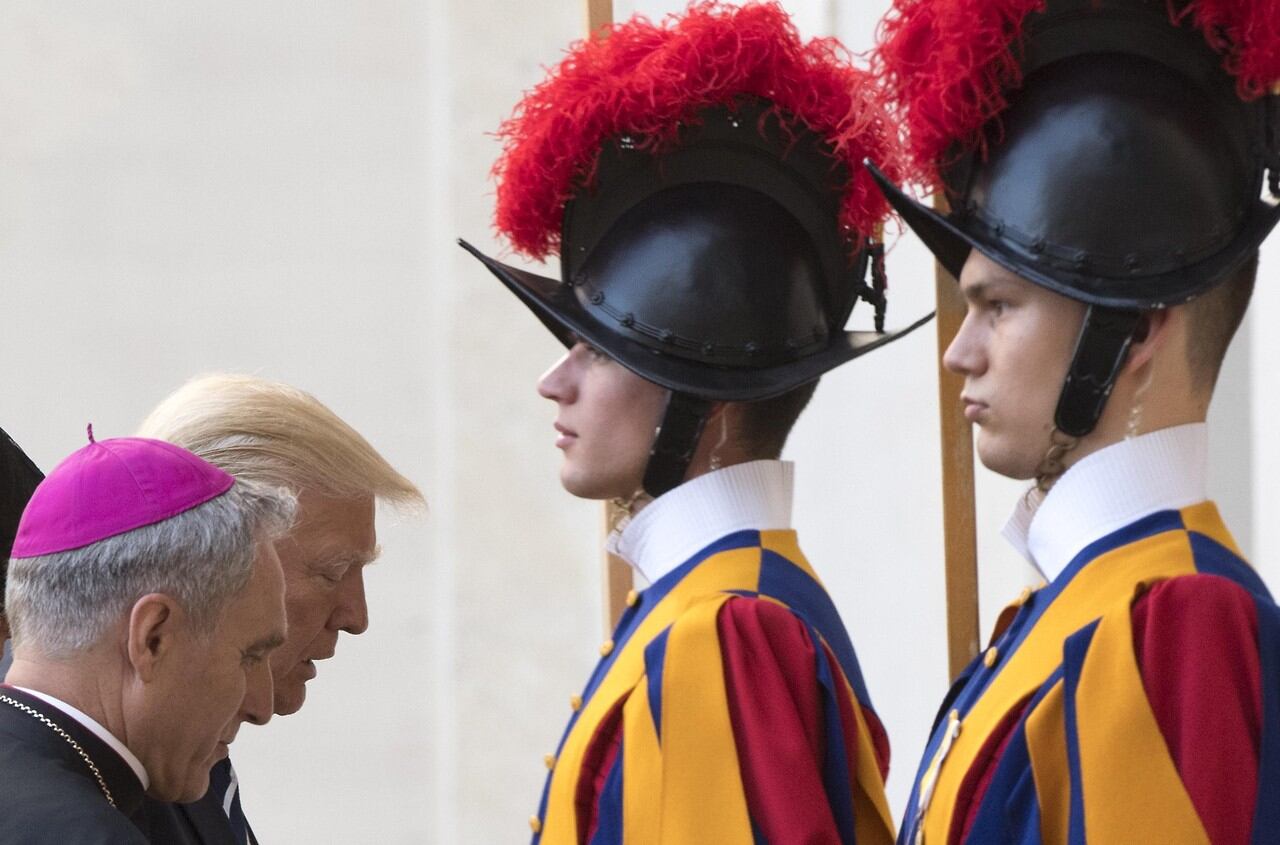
(64, 602)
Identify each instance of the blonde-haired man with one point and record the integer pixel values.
(274, 434)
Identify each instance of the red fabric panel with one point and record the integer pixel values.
(775, 708)
(879, 738)
(850, 722)
(1195, 638)
(596, 763)
(974, 786)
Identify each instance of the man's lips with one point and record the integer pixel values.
(309, 665)
(567, 436)
(974, 409)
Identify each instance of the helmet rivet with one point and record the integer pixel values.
(628, 319)
(998, 229)
(1038, 246)
(597, 297)
(1131, 262)
(708, 347)
(752, 347)
(666, 335)
(1082, 259)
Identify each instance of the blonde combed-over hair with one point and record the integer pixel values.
(271, 433)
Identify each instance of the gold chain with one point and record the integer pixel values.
(40, 717)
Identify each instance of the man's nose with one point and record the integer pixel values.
(964, 354)
(352, 612)
(555, 384)
(259, 695)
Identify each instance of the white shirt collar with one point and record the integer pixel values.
(676, 525)
(1105, 491)
(97, 730)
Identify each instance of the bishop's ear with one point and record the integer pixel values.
(155, 624)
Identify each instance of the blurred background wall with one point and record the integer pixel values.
(276, 188)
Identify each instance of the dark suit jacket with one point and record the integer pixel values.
(48, 796)
(201, 822)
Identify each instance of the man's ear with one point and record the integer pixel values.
(1150, 335)
(155, 622)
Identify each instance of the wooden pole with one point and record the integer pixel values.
(959, 523)
(599, 15)
(617, 574)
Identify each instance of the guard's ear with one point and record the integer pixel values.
(155, 623)
(1150, 335)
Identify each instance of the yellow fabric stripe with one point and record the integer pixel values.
(737, 569)
(641, 772)
(1130, 781)
(873, 821)
(786, 543)
(1108, 579)
(702, 790)
(1047, 747)
(1205, 519)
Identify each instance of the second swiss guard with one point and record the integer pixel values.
(701, 182)
(1111, 167)
(18, 480)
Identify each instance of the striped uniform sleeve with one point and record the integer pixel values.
(1195, 638)
(794, 724)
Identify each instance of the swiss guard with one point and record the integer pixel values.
(1111, 167)
(18, 480)
(701, 182)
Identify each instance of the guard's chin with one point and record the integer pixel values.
(997, 457)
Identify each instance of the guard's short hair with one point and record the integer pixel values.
(1214, 318)
(64, 602)
(272, 433)
(764, 425)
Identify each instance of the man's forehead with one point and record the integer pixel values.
(979, 272)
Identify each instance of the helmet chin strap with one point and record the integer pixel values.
(675, 442)
(1101, 350)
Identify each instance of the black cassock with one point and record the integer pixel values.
(48, 793)
(202, 822)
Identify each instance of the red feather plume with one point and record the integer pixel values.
(647, 79)
(1246, 31)
(948, 64)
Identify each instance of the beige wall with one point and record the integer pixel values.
(275, 187)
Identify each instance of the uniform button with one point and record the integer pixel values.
(606, 648)
(575, 701)
(989, 659)
(632, 598)
(535, 824)
(550, 760)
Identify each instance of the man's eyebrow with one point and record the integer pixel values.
(273, 640)
(346, 558)
(982, 288)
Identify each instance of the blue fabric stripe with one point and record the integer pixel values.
(1266, 815)
(836, 778)
(1074, 650)
(609, 808)
(974, 681)
(1213, 558)
(1011, 805)
(783, 580)
(656, 592)
(630, 622)
(655, 657)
